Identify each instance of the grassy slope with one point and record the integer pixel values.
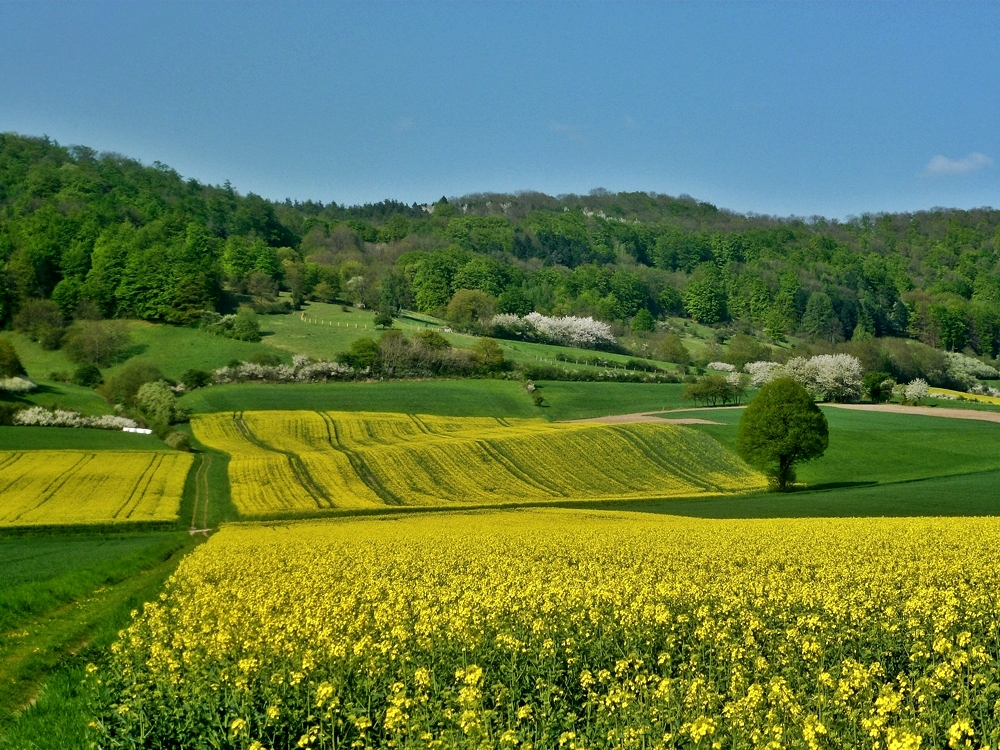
(173, 349)
(56, 590)
(459, 398)
(327, 330)
(62, 438)
(47, 706)
(868, 447)
(959, 495)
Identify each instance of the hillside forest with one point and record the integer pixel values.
(102, 235)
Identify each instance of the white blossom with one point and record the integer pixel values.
(17, 385)
(966, 370)
(915, 390)
(762, 372)
(721, 367)
(829, 377)
(37, 416)
(569, 330)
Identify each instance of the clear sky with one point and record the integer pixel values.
(784, 108)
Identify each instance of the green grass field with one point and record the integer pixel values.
(456, 398)
(65, 438)
(870, 447)
(62, 598)
(322, 331)
(174, 349)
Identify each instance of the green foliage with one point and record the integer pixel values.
(671, 349)
(742, 349)
(470, 307)
(179, 441)
(97, 342)
(42, 321)
(104, 232)
(10, 363)
(878, 386)
(158, 404)
(195, 379)
(489, 355)
(715, 390)
(643, 321)
(432, 340)
(781, 427)
(87, 375)
(364, 353)
(245, 325)
(704, 297)
(122, 386)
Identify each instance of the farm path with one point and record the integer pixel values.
(641, 417)
(927, 411)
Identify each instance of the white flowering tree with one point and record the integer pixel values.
(828, 377)
(569, 330)
(16, 385)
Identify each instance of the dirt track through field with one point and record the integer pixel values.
(925, 411)
(642, 417)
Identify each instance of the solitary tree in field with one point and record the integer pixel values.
(781, 427)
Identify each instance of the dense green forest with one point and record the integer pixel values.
(105, 233)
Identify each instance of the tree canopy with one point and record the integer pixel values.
(782, 427)
(127, 239)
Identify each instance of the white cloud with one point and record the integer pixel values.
(942, 165)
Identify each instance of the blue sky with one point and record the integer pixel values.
(783, 108)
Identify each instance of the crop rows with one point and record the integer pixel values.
(308, 460)
(76, 487)
(571, 629)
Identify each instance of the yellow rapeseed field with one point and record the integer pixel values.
(305, 460)
(548, 629)
(41, 488)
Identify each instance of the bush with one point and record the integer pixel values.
(245, 325)
(470, 307)
(159, 404)
(122, 386)
(878, 386)
(97, 342)
(87, 375)
(489, 355)
(432, 340)
(41, 320)
(178, 441)
(643, 321)
(196, 379)
(7, 412)
(743, 349)
(10, 363)
(364, 353)
(671, 349)
(383, 319)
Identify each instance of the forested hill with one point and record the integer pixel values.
(140, 241)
